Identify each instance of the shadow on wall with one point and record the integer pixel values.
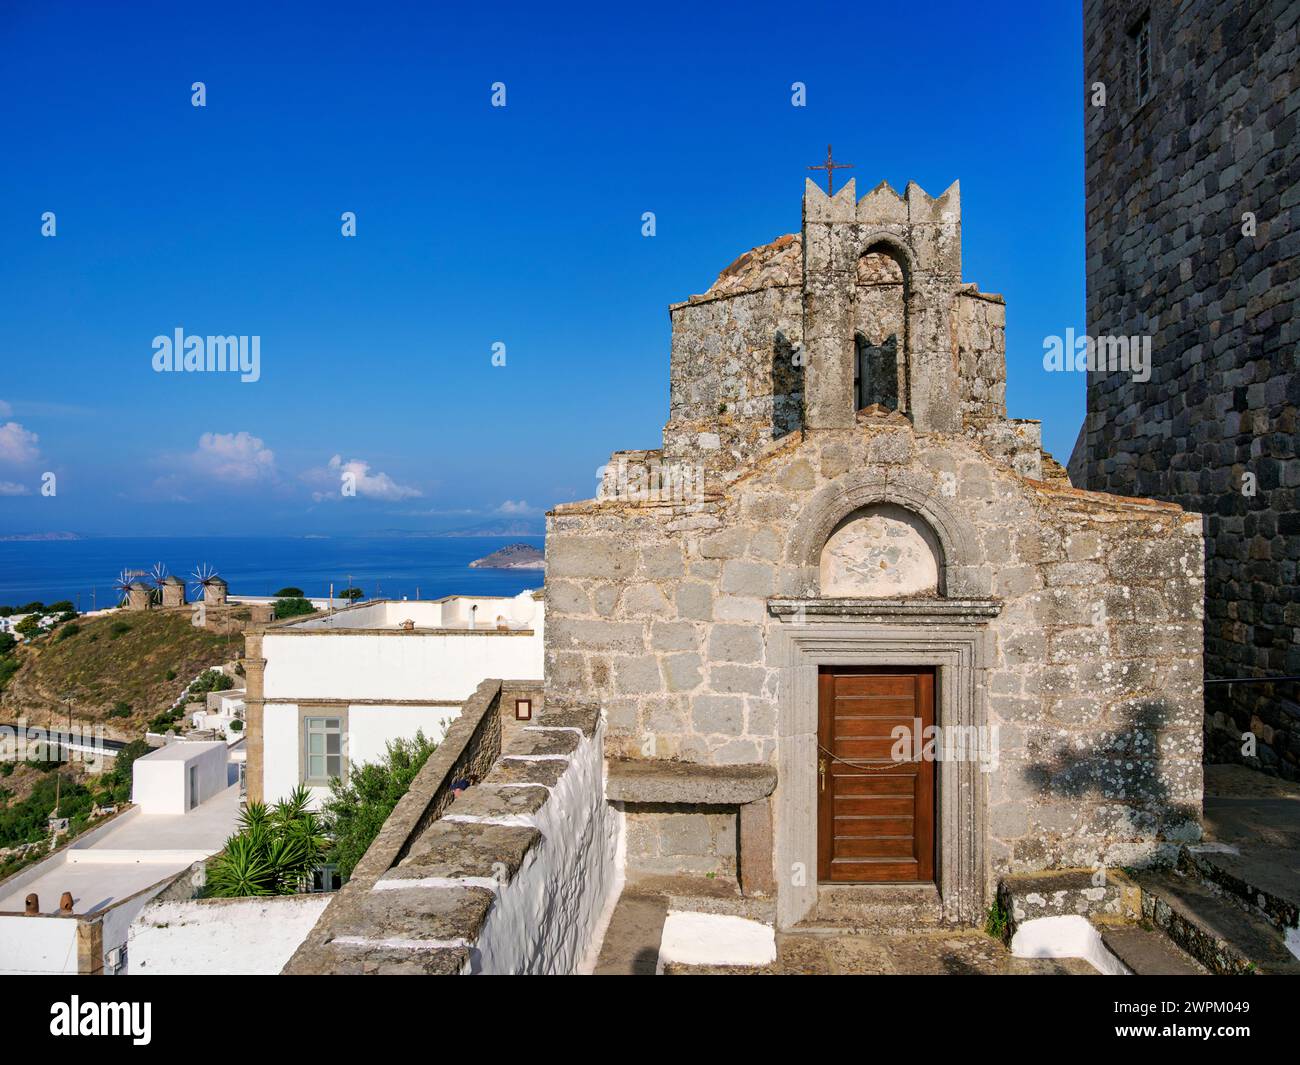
(1123, 765)
(787, 387)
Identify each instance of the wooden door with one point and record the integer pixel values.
(875, 816)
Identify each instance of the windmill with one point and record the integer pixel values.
(158, 574)
(203, 578)
(122, 586)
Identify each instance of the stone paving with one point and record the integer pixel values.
(962, 952)
(631, 948)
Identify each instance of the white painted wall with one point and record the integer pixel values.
(216, 935)
(160, 780)
(544, 920)
(416, 666)
(35, 945)
(370, 728)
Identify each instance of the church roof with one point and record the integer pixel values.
(773, 265)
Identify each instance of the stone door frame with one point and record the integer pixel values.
(958, 644)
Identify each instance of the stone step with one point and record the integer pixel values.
(1266, 885)
(1148, 953)
(881, 909)
(1070, 892)
(697, 894)
(1220, 934)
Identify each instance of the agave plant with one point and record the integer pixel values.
(274, 851)
(241, 870)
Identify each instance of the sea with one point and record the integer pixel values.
(85, 571)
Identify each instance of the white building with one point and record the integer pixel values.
(175, 779)
(335, 689)
(113, 870)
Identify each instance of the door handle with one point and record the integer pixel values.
(821, 770)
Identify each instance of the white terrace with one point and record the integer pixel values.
(458, 612)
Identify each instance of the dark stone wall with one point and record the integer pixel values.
(1169, 181)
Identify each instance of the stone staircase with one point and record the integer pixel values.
(1233, 929)
(1211, 913)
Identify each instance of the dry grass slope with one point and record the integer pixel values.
(102, 665)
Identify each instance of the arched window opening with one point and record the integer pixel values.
(880, 324)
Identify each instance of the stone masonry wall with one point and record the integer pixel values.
(1193, 198)
(660, 613)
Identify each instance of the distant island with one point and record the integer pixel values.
(512, 556)
(40, 536)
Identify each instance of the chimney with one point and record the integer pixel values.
(65, 902)
(32, 905)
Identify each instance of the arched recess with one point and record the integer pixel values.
(961, 572)
(884, 302)
(881, 551)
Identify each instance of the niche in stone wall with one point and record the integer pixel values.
(880, 325)
(881, 551)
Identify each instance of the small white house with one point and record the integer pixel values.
(175, 779)
(335, 689)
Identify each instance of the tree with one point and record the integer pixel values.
(292, 608)
(30, 626)
(352, 593)
(7, 643)
(289, 593)
(274, 851)
(117, 781)
(356, 811)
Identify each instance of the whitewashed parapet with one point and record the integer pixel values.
(510, 878)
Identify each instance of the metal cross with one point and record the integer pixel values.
(830, 166)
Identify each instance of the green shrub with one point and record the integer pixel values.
(68, 631)
(289, 593)
(170, 674)
(236, 725)
(26, 821)
(356, 811)
(7, 643)
(292, 608)
(116, 782)
(121, 708)
(118, 628)
(210, 680)
(352, 593)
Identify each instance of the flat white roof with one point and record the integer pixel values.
(133, 852)
(182, 750)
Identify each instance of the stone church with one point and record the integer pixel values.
(851, 626)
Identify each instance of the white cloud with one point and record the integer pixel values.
(233, 458)
(512, 506)
(355, 475)
(18, 445)
(9, 488)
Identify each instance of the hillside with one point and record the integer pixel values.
(103, 664)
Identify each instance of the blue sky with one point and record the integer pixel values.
(475, 225)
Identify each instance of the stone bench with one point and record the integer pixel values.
(748, 787)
